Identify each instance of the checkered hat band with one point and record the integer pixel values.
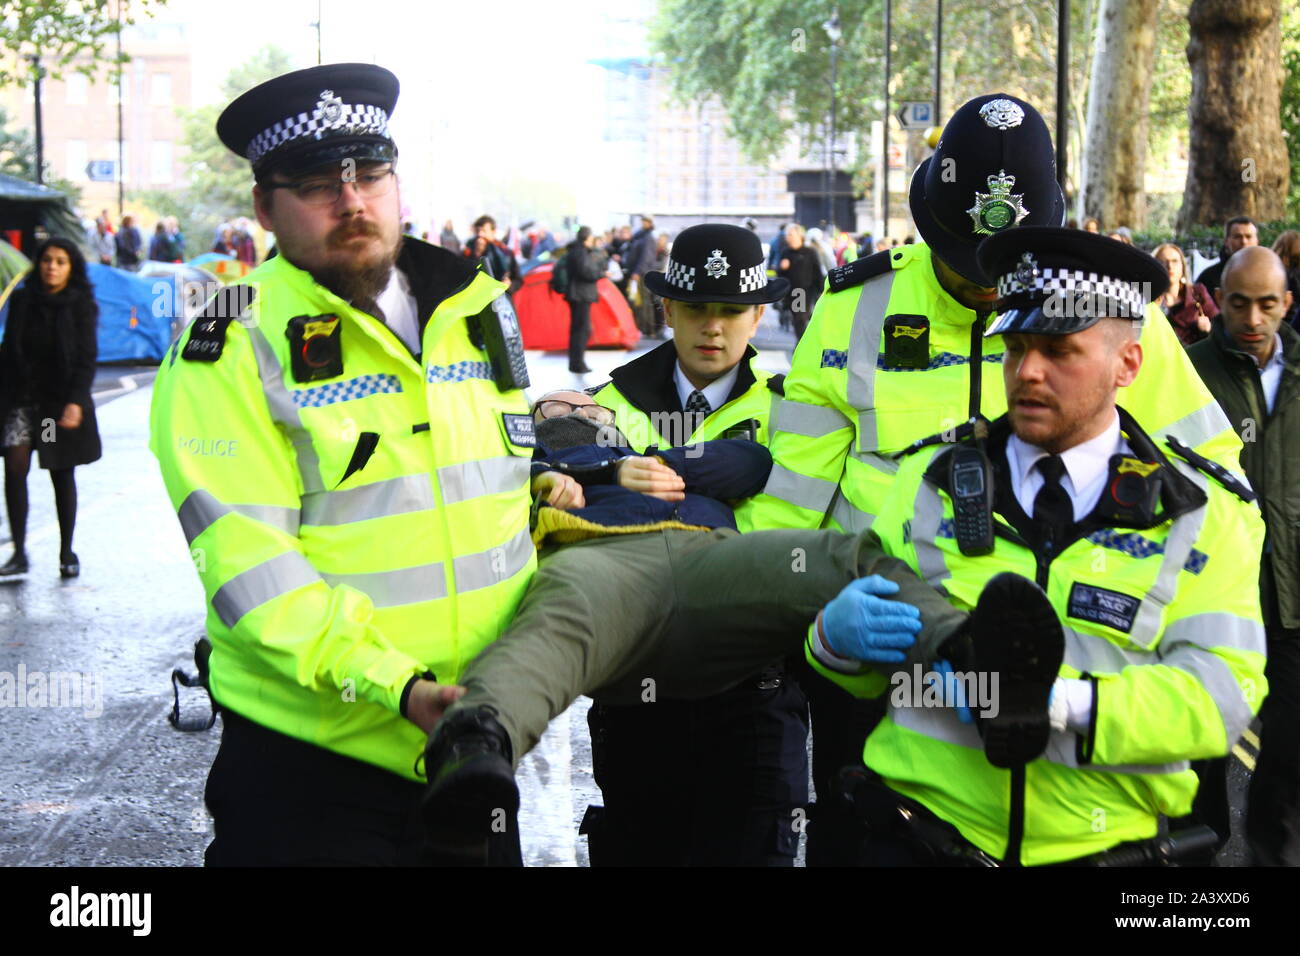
(753, 278)
(1074, 282)
(682, 276)
(355, 120)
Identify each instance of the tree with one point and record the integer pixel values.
(1291, 102)
(220, 183)
(18, 159)
(1118, 112)
(1238, 162)
(65, 35)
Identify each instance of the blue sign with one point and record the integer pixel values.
(101, 170)
(916, 115)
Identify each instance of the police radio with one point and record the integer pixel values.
(496, 330)
(970, 479)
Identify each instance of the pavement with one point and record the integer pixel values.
(94, 774)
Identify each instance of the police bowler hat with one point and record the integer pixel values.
(994, 169)
(1054, 281)
(309, 118)
(717, 263)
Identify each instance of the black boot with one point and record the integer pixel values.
(16, 565)
(1013, 634)
(472, 792)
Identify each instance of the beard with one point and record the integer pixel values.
(359, 283)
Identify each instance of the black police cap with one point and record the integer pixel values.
(324, 114)
(1054, 281)
(994, 169)
(717, 263)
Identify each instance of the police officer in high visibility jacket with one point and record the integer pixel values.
(720, 781)
(347, 444)
(895, 353)
(1146, 550)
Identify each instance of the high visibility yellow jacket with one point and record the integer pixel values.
(332, 578)
(644, 397)
(1160, 612)
(850, 403)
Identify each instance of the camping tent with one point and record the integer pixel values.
(135, 314)
(544, 315)
(26, 207)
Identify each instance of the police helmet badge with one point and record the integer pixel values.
(998, 208)
(1027, 270)
(1002, 114)
(716, 265)
(329, 112)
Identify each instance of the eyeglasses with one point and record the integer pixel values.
(555, 408)
(369, 184)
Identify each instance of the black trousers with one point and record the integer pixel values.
(579, 332)
(277, 801)
(716, 782)
(1273, 807)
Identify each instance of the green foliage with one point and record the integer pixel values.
(220, 183)
(66, 35)
(18, 158)
(1291, 102)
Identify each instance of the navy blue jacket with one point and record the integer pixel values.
(714, 472)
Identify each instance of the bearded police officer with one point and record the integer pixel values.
(895, 354)
(370, 534)
(719, 781)
(1147, 551)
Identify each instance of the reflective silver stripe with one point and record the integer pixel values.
(1178, 546)
(1216, 629)
(393, 496)
(428, 582)
(1093, 654)
(261, 583)
(487, 476)
(1062, 749)
(864, 346)
(926, 516)
(802, 490)
(284, 411)
(481, 570)
(1216, 677)
(850, 518)
(811, 421)
(1199, 426)
(877, 461)
(200, 510)
(867, 430)
(939, 723)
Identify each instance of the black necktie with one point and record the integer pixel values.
(1053, 511)
(697, 408)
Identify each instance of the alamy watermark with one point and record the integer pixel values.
(41, 689)
(977, 690)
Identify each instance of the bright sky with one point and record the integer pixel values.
(490, 91)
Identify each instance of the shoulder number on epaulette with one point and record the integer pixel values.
(1212, 468)
(858, 271)
(208, 332)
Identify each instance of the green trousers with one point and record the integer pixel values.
(629, 618)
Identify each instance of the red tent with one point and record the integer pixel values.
(544, 315)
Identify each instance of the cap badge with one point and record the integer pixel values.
(1002, 114)
(998, 208)
(716, 266)
(1027, 270)
(329, 112)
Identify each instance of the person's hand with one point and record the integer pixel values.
(652, 477)
(785, 264)
(635, 277)
(561, 491)
(428, 701)
(1203, 322)
(862, 625)
(72, 416)
(951, 689)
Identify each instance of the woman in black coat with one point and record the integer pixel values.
(47, 365)
(586, 264)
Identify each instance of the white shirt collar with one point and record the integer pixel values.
(1086, 467)
(715, 392)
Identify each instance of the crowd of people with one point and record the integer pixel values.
(124, 246)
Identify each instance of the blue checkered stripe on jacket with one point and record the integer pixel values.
(459, 372)
(359, 387)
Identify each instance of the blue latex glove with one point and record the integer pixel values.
(952, 689)
(862, 625)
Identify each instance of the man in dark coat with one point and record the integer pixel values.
(585, 264)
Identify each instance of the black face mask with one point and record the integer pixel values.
(576, 430)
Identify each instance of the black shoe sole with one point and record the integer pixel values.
(1017, 636)
(471, 801)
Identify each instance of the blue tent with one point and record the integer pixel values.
(135, 314)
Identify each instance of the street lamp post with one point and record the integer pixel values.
(832, 28)
(884, 127)
(39, 172)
